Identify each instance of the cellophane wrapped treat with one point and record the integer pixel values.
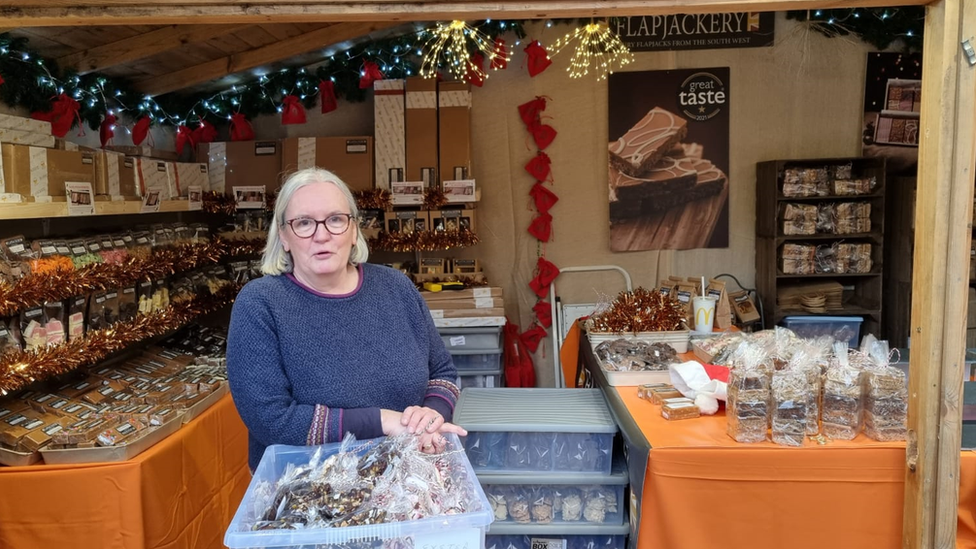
(841, 410)
(791, 397)
(885, 397)
(366, 483)
(747, 408)
(806, 182)
(631, 355)
(810, 360)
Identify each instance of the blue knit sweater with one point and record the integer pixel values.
(305, 368)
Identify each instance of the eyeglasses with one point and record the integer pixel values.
(305, 227)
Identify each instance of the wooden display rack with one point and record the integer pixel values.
(42, 210)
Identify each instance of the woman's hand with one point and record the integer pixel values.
(420, 419)
(390, 421)
(435, 443)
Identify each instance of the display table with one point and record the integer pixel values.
(181, 493)
(699, 488)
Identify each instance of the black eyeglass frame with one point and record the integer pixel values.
(350, 217)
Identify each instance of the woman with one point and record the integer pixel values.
(327, 344)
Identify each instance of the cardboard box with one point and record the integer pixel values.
(146, 152)
(388, 129)
(477, 303)
(432, 265)
(41, 173)
(407, 193)
(371, 222)
(154, 176)
(453, 220)
(188, 174)
(24, 137)
(350, 158)
(465, 313)
(26, 124)
(465, 266)
(421, 129)
(454, 128)
(470, 293)
(115, 175)
(241, 164)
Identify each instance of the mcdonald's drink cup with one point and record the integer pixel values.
(704, 313)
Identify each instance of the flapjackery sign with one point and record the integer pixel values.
(701, 31)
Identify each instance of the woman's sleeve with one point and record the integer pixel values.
(442, 393)
(263, 393)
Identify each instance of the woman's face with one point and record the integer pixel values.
(322, 254)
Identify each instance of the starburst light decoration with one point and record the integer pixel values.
(450, 44)
(598, 48)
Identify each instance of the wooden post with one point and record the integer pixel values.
(943, 228)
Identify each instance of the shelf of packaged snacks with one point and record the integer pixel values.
(828, 275)
(36, 210)
(846, 197)
(873, 235)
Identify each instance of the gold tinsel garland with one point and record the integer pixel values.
(37, 288)
(641, 310)
(373, 199)
(219, 203)
(434, 198)
(425, 241)
(19, 369)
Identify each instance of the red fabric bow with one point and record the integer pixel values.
(532, 337)
(476, 72)
(64, 111)
(543, 134)
(499, 57)
(371, 73)
(2, 81)
(240, 128)
(530, 111)
(184, 137)
(205, 133)
(519, 369)
(106, 131)
(539, 167)
(292, 111)
(543, 312)
(543, 197)
(140, 130)
(547, 272)
(537, 58)
(327, 96)
(541, 227)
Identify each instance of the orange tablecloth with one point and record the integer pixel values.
(179, 494)
(702, 489)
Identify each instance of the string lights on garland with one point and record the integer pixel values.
(880, 27)
(462, 49)
(597, 46)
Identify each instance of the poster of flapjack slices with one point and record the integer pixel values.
(668, 183)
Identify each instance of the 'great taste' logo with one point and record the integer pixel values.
(702, 96)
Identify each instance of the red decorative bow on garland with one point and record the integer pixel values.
(184, 137)
(539, 167)
(476, 72)
(543, 312)
(240, 128)
(63, 113)
(371, 73)
(519, 370)
(106, 131)
(140, 130)
(543, 197)
(327, 96)
(543, 134)
(537, 58)
(546, 273)
(541, 227)
(531, 110)
(532, 337)
(205, 133)
(292, 110)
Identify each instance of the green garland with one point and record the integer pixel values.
(880, 27)
(33, 82)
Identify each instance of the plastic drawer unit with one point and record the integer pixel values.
(479, 378)
(458, 530)
(841, 328)
(472, 339)
(566, 499)
(555, 541)
(477, 360)
(524, 430)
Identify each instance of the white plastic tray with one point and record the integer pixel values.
(678, 340)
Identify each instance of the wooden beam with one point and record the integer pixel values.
(941, 273)
(167, 12)
(141, 46)
(257, 57)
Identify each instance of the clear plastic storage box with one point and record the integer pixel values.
(472, 339)
(480, 379)
(595, 541)
(521, 430)
(841, 328)
(467, 529)
(568, 499)
(477, 360)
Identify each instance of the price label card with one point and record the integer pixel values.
(457, 341)
(150, 202)
(81, 198)
(437, 314)
(249, 197)
(548, 543)
(483, 303)
(482, 292)
(196, 197)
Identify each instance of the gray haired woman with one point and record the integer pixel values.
(326, 344)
